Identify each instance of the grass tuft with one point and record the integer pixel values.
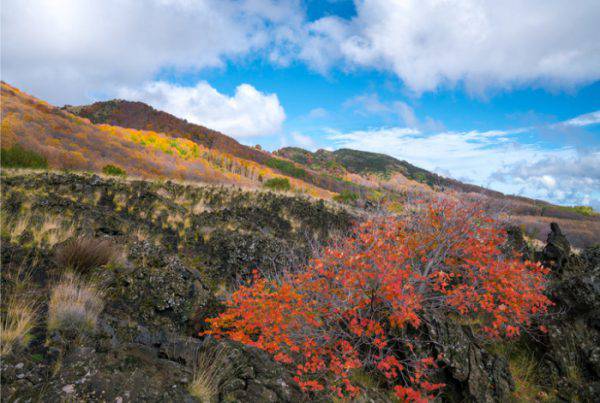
(211, 368)
(83, 254)
(75, 305)
(19, 315)
(17, 323)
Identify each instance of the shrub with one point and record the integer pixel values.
(345, 196)
(278, 184)
(85, 253)
(17, 323)
(18, 157)
(287, 167)
(74, 305)
(354, 307)
(113, 170)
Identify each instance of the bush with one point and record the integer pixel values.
(287, 167)
(18, 157)
(282, 184)
(85, 253)
(74, 305)
(357, 307)
(346, 196)
(113, 170)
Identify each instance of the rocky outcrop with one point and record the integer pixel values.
(470, 372)
(570, 350)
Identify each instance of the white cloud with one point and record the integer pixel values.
(548, 180)
(482, 44)
(472, 154)
(73, 50)
(406, 113)
(248, 112)
(68, 51)
(572, 178)
(583, 120)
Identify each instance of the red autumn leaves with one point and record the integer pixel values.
(359, 306)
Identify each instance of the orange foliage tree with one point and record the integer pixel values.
(355, 305)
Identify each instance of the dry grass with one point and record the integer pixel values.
(19, 314)
(211, 368)
(52, 230)
(17, 323)
(20, 226)
(75, 304)
(83, 254)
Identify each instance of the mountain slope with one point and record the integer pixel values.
(137, 115)
(360, 178)
(385, 166)
(72, 142)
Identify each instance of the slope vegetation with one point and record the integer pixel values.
(71, 142)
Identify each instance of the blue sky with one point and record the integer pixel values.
(500, 94)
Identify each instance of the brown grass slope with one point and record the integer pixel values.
(72, 142)
(138, 115)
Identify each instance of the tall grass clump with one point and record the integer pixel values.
(210, 369)
(17, 323)
(75, 305)
(19, 313)
(84, 253)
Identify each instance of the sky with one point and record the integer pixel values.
(503, 94)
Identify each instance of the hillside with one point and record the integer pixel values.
(71, 142)
(176, 250)
(148, 143)
(154, 259)
(368, 163)
(137, 115)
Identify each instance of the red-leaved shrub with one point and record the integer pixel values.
(357, 305)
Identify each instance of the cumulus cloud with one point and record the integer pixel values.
(481, 44)
(67, 51)
(567, 179)
(248, 112)
(71, 50)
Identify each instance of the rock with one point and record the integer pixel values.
(159, 290)
(480, 375)
(570, 351)
(557, 250)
